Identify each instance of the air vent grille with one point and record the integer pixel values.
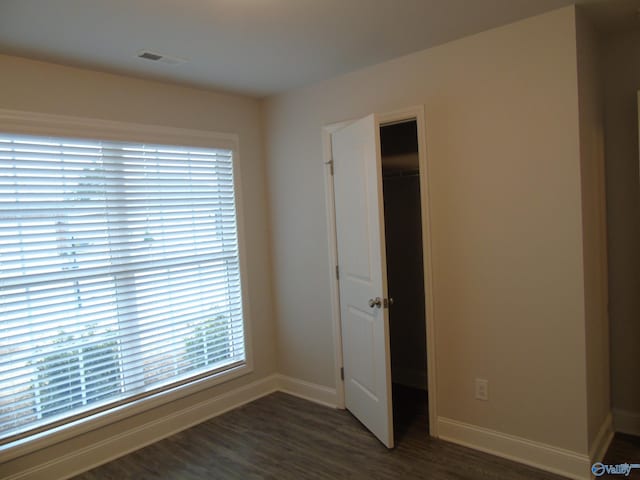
(150, 56)
(161, 58)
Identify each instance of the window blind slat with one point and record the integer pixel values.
(97, 148)
(153, 280)
(79, 347)
(135, 248)
(21, 278)
(146, 329)
(86, 227)
(119, 274)
(96, 387)
(18, 309)
(119, 346)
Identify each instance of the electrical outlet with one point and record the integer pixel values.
(482, 389)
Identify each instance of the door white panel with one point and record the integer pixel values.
(361, 257)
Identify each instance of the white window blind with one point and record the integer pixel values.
(119, 275)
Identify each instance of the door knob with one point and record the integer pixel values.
(375, 302)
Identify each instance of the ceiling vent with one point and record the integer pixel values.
(157, 57)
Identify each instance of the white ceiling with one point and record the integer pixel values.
(256, 47)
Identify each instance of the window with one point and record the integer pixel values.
(119, 275)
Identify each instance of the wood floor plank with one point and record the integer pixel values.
(284, 437)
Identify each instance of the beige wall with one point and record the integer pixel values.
(590, 94)
(621, 67)
(504, 161)
(48, 88)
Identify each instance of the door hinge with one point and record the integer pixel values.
(337, 272)
(341, 373)
(330, 163)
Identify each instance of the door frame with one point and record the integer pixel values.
(407, 114)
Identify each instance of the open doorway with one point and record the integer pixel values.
(360, 297)
(405, 275)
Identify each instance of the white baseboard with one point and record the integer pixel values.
(546, 457)
(602, 441)
(626, 422)
(309, 391)
(539, 455)
(110, 448)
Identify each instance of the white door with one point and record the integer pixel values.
(362, 278)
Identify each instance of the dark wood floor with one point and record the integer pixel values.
(624, 449)
(283, 437)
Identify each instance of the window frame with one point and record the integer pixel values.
(29, 123)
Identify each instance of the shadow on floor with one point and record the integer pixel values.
(624, 449)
